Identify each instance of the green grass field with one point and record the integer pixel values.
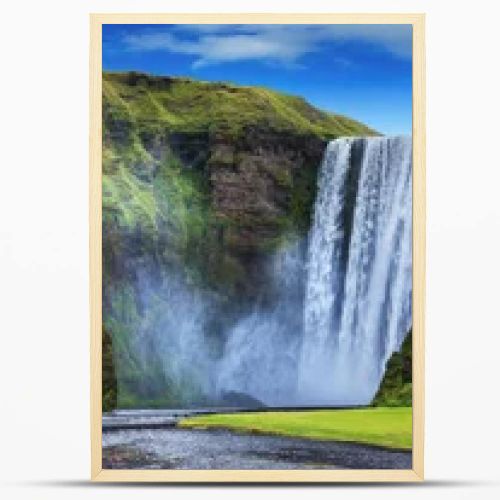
(389, 427)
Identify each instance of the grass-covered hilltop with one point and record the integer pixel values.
(202, 182)
(160, 103)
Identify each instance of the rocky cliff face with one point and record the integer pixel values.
(206, 178)
(262, 188)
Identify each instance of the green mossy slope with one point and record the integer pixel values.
(154, 104)
(396, 386)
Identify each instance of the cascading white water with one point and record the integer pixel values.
(357, 306)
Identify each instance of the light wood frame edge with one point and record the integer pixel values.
(419, 244)
(95, 252)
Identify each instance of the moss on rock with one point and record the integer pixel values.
(396, 386)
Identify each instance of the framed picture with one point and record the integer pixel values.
(257, 246)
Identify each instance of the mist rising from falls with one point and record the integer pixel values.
(357, 306)
(261, 354)
(170, 337)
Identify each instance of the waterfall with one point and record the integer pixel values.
(338, 302)
(357, 306)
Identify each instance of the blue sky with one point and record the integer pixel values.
(362, 71)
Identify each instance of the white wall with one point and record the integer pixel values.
(44, 449)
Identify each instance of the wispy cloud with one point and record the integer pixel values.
(285, 44)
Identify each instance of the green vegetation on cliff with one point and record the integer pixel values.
(109, 396)
(396, 386)
(154, 104)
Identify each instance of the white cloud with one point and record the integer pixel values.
(285, 44)
(397, 39)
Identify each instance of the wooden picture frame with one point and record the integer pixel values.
(95, 217)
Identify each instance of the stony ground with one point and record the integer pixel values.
(219, 449)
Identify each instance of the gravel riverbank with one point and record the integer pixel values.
(175, 448)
